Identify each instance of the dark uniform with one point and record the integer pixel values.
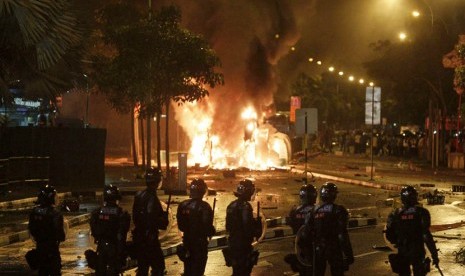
(46, 227)
(109, 226)
(326, 225)
(243, 229)
(195, 220)
(149, 218)
(408, 229)
(296, 220)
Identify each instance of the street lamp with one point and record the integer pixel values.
(86, 118)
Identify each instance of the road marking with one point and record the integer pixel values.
(366, 254)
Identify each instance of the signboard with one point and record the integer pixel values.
(312, 121)
(373, 105)
(373, 112)
(373, 93)
(295, 104)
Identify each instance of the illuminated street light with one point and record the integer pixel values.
(318, 62)
(372, 83)
(361, 81)
(402, 36)
(310, 59)
(341, 73)
(292, 48)
(416, 13)
(351, 78)
(331, 69)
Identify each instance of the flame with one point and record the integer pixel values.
(254, 152)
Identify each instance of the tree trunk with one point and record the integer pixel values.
(167, 143)
(149, 141)
(158, 140)
(141, 124)
(135, 158)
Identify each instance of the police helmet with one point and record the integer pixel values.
(153, 176)
(198, 188)
(46, 196)
(328, 192)
(111, 194)
(308, 194)
(245, 189)
(409, 195)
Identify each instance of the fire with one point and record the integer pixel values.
(255, 151)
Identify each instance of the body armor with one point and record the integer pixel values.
(109, 226)
(46, 227)
(243, 228)
(148, 217)
(195, 220)
(408, 229)
(297, 216)
(327, 227)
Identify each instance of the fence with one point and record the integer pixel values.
(24, 169)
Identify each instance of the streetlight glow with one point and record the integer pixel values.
(318, 62)
(341, 73)
(402, 36)
(361, 81)
(351, 78)
(331, 69)
(415, 13)
(310, 59)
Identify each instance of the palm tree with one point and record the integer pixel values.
(38, 43)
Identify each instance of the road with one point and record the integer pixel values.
(277, 193)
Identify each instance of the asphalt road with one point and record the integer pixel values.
(277, 192)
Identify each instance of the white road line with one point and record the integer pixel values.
(366, 254)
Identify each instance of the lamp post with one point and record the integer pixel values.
(86, 118)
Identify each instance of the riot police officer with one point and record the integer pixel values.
(296, 220)
(109, 226)
(195, 220)
(408, 229)
(46, 227)
(326, 226)
(242, 229)
(149, 218)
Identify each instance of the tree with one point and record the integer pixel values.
(39, 45)
(159, 61)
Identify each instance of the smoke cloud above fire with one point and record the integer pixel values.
(250, 37)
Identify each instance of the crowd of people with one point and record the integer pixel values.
(406, 145)
(321, 232)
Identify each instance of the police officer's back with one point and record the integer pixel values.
(307, 196)
(46, 227)
(301, 261)
(327, 227)
(195, 220)
(243, 229)
(149, 218)
(109, 226)
(408, 229)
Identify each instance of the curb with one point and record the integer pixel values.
(22, 203)
(385, 186)
(24, 235)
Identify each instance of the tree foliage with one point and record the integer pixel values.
(152, 61)
(39, 45)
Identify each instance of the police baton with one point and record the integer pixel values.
(214, 204)
(439, 269)
(168, 203)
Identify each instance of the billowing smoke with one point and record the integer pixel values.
(250, 37)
